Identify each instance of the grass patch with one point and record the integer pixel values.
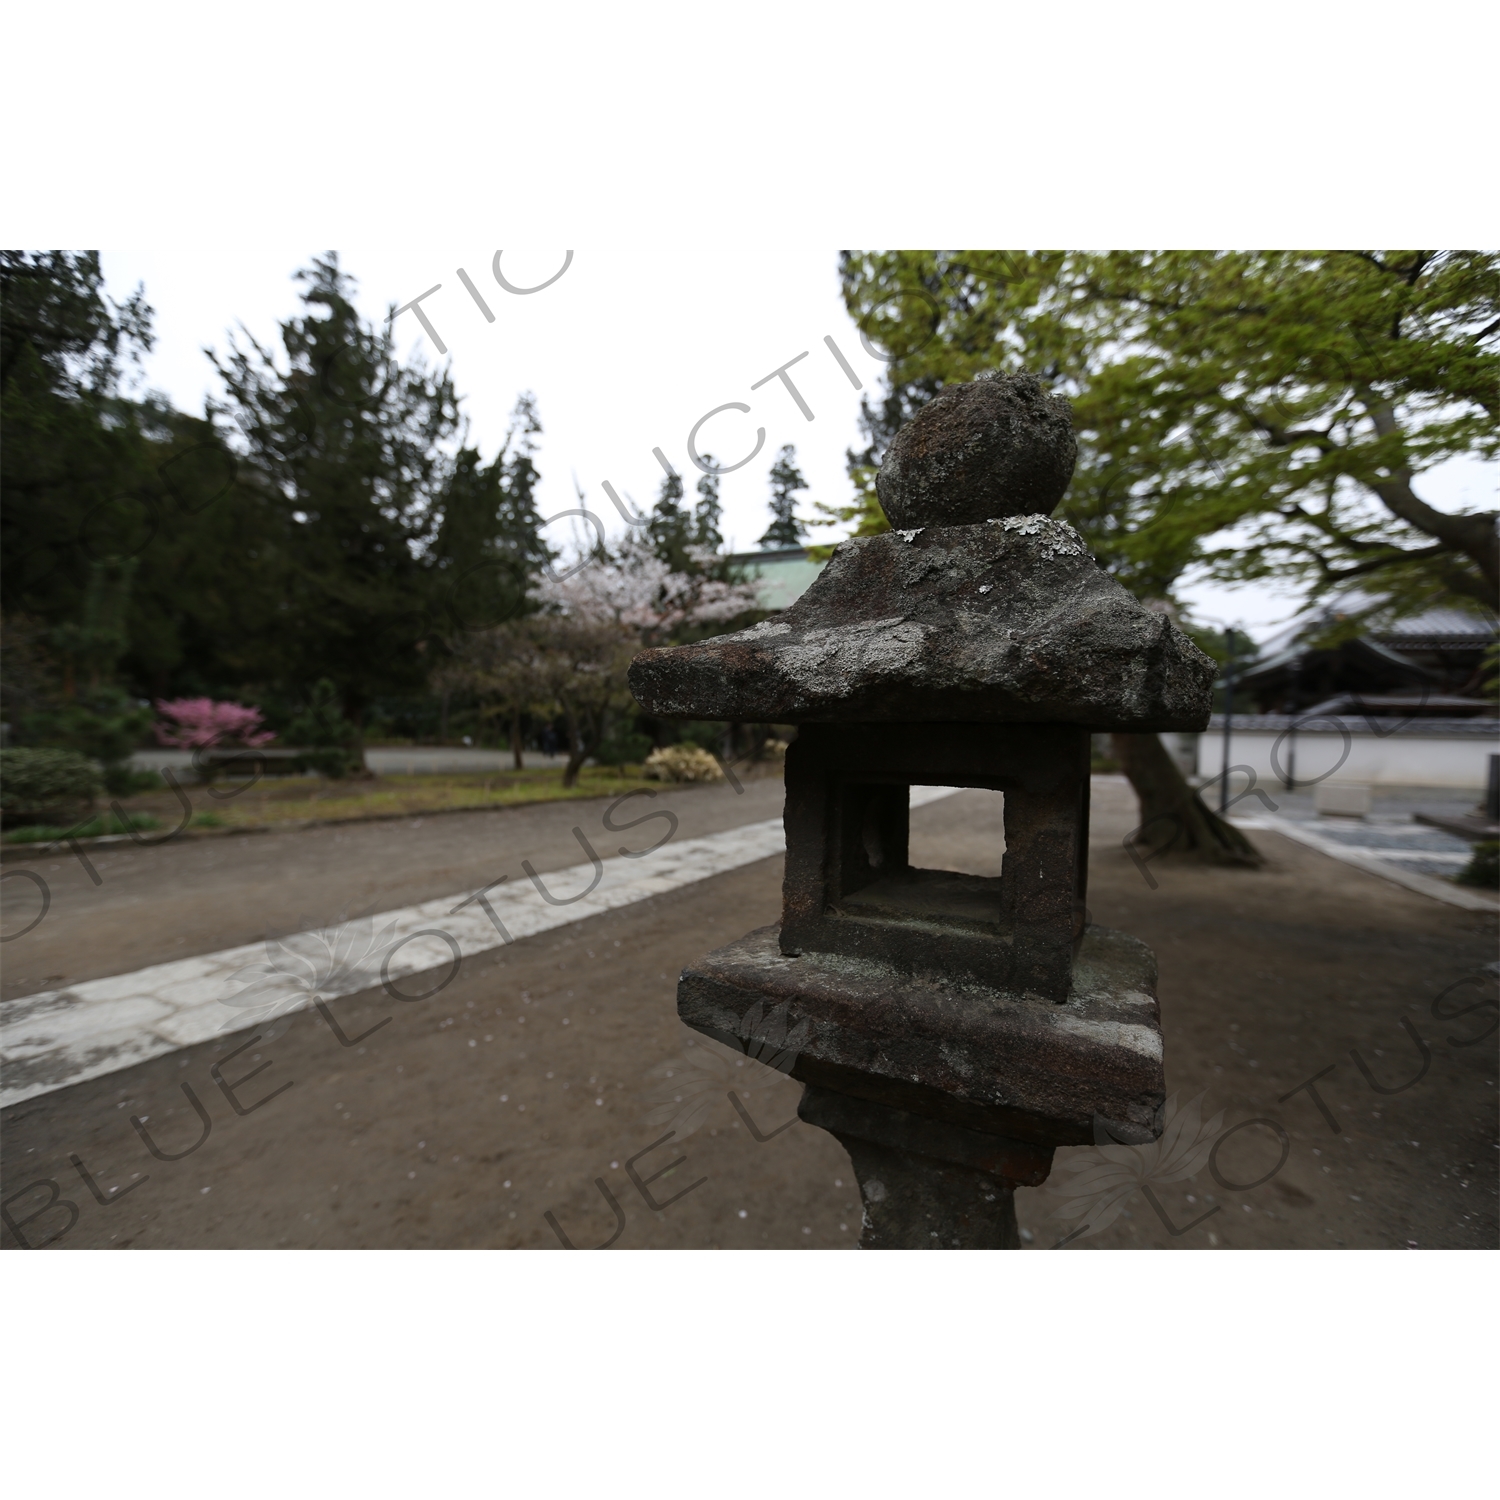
(280, 801)
(291, 800)
(97, 827)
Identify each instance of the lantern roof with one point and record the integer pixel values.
(982, 610)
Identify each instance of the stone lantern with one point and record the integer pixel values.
(958, 1027)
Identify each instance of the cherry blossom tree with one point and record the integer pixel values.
(636, 589)
(572, 655)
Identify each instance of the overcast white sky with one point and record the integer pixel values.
(625, 352)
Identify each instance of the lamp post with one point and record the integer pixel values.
(958, 1028)
(1228, 719)
(1295, 672)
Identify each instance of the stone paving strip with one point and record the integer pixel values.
(1376, 847)
(55, 1038)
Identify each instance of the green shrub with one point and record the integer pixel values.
(321, 723)
(42, 781)
(337, 762)
(682, 763)
(706, 734)
(622, 746)
(1483, 869)
(103, 723)
(331, 741)
(120, 780)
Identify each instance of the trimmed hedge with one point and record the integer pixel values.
(40, 781)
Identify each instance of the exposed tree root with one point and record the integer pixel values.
(1174, 818)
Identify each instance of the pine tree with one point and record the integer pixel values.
(671, 527)
(73, 453)
(785, 530)
(489, 544)
(93, 479)
(709, 512)
(356, 445)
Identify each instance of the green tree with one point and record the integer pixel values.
(102, 505)
(74, 449)
(329, 740)
(551, 662)
(29, 678)
(95, 716)
(708, 514)
(93, 480)
(55, 311)
(1243, 414)
(499, 665)
(350, 534)
(488, 544)
(786, 529)
(1247, 414)
(671, 526)
(359, 448)
(865, 515)
(207, 604)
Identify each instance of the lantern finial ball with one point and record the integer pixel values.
(998, 446)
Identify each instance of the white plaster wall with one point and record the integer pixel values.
(1397, 760)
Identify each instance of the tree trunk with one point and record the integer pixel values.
(357, 719)
(515, 741)
(1471, 535)
(577, 752)
(1174, 818)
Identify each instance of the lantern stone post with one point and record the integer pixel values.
(959, 1028)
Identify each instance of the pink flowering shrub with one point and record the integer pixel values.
(200, 723)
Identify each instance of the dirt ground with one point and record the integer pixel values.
(159, 903)
(524, 1088)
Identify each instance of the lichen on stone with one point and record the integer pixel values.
(1058, 537)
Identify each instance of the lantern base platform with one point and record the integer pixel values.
(960, 1072)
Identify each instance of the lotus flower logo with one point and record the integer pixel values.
(684, 1092)
(308, 967)
(1101, 1177)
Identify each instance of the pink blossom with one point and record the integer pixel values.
(200, 723)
